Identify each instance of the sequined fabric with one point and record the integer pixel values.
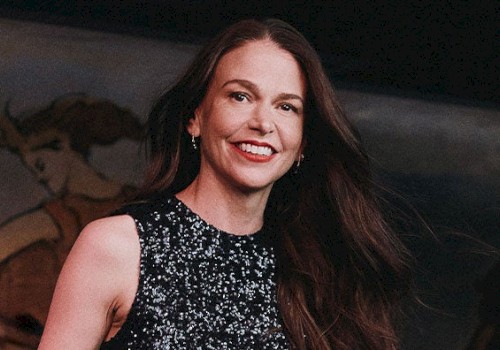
(199, 287)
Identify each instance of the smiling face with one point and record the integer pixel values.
(250, 121)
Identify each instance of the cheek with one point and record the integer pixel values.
(293, 135)
(221, 123)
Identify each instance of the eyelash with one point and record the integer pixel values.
(239, 96)
(289, 107)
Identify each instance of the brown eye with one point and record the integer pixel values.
(239, 96)
(288, 107)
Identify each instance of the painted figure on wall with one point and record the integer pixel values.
(54, 144)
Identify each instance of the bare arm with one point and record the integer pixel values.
(96, 286)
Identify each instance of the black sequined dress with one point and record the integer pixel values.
(199, 287)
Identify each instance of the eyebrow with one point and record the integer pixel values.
(254, 88)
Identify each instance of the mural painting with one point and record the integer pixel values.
(54, 143)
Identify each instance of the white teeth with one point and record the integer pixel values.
(259, 150)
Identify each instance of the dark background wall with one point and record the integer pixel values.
(426, 47)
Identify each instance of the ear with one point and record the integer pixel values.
(193, 126)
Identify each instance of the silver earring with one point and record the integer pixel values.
(301, 158)
(193, 142)
(297, 165)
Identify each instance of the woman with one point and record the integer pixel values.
(258, 229)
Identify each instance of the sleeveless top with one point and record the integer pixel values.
(199, 287)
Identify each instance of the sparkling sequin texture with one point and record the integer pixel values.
(199, 287)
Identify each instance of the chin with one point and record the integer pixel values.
(254, 185)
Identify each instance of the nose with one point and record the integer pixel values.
(262, 121)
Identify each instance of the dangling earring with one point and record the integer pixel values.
(297, 165)
(193, 142)
(301, 158)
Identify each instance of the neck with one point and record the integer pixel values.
(227, 209)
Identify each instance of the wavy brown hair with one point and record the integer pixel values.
(341, 270)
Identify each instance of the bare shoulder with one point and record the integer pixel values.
(116, 232)
(96, 286)
(112, 237)
(107, 254)
(109, 248)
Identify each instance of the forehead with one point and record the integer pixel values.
(262, 62)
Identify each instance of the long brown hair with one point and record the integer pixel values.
(340, 268)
